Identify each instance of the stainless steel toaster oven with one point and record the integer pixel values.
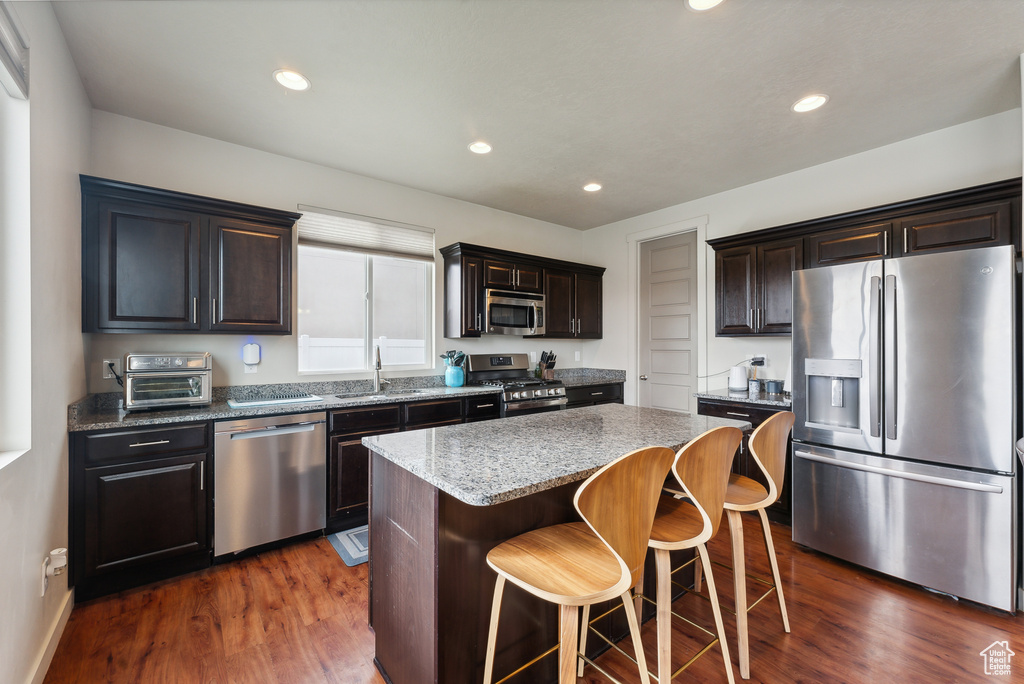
(166, 380)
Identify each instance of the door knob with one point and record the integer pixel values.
(643, 377)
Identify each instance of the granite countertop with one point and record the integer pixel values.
(101, 412)
(783, 400)
(490, 462)
(89, 418)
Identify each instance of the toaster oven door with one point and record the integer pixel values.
(166, 388)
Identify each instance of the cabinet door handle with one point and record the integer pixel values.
(572, 323)
(213, 312)
(195, 309)
(750, 318)
(478, 325)
(906, 242)
(142, 444)
(597, 394)
(480, 406)
(744, 415)
(643, 377)
(202, 475)
(579, 328)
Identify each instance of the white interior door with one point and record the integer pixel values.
(667, 348)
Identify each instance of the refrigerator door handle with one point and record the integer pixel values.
(917, 477)
(874, 356)
(890, 357)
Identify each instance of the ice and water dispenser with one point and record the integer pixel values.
(833, 394)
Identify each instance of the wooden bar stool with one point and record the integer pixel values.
(768, 446)
(687, 519)
(578, 564)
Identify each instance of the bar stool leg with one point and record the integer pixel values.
(716, 609)
(492, 631)
(740, 583)
(568, 622)
(638, 644)
(663, 566)
(583, 639)
(770, 546)
(698, 564)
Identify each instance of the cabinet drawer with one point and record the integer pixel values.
(487, 406)
(594, 394)
(369, 419)
(443, 411)
(108, 447)
(737, 411)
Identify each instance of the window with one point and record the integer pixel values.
(15, 236)
(363, 283)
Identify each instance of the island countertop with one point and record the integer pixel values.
(490, 462)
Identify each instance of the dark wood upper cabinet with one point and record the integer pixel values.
(757, 286)
(776, 262)
(250, 276)
(162, 261)
(573, 303)
(863, 243)
(572, 291)
(504, 275)
(753, 271)
(146, 265)
(984, 225)
(735, 290)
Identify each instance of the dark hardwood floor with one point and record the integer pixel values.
(298, 615)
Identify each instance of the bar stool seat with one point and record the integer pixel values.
(578, 564)
(547, 562)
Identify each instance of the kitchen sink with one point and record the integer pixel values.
(402, 393)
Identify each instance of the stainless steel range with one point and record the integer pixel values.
(522, 392)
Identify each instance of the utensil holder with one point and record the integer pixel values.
(454, 376)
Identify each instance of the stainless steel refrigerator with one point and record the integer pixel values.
(903, 447)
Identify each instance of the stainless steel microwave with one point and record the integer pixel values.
(166, 380)
(513, 313)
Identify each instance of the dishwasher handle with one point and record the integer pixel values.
(274, 431)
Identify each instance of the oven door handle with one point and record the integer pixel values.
(514, 406)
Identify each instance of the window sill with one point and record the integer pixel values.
(9, 457)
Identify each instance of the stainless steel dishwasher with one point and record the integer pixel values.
(270, 480)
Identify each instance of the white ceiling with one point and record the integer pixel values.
(657, 103)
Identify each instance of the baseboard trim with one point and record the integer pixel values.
(43, 663)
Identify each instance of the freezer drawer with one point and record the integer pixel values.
(947, 529)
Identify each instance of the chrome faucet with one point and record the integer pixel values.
(376, 371)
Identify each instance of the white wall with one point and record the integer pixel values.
(34, 487)
(977, 152)
(134, 151)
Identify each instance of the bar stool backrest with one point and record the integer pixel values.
(702, 468)
(618, 502)
(768, 446)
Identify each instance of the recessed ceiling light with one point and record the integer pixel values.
(592, 187)
(701, 5)
(480, 147)
(292, 80)
(809, 103)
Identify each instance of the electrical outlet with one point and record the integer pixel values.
(533, 357)
(106, 368)
(577, 356)
(251, 367)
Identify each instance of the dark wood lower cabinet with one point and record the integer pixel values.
(744, 464)
(592, 395)
(348, 461)
(140, 507)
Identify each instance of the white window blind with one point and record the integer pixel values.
(13, 54)
(328, 228)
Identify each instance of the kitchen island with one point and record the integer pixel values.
(442, 498)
